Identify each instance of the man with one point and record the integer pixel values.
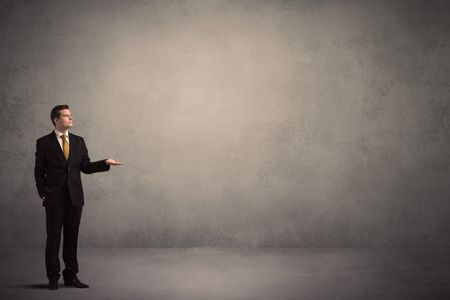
(60, 156)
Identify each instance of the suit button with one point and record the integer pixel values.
(68, 168)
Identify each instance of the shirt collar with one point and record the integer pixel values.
(58, 134)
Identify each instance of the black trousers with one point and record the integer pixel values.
(62, 216)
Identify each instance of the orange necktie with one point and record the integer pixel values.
(65, 145)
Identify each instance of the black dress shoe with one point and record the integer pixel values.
(75, 283)
(53, 284)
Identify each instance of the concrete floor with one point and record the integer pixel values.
(212, 273)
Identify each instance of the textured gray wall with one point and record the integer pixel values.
(241, 123)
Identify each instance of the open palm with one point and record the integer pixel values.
(113, 162)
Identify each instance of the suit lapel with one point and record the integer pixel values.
(72, 146)
(55, 145)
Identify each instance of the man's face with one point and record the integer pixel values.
(65, 119)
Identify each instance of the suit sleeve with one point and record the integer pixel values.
(88, 167)
(40, 169)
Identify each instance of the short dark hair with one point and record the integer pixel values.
(56, 112)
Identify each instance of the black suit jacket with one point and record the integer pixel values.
(52, 172)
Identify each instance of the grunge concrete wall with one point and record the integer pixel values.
(241, 123)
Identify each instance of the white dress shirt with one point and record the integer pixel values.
(58, 137)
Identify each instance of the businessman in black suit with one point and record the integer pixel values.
(60, 156)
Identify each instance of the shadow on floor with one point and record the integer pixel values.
(37, 286)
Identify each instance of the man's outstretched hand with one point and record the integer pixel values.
(113, 162)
